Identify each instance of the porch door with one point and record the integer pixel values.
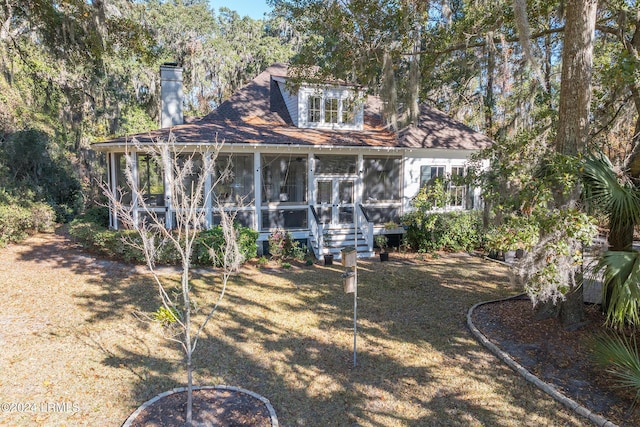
(335, 200)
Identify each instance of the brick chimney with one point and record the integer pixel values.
(171, 95)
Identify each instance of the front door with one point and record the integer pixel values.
(335, 200)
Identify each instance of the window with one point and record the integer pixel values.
(284, 179)
(348, 111)
(457, 188)
(330, 107)
(237, 186)
(331, 110)
(315, 108)
(428, 174)
(381, 179)
(150, 180)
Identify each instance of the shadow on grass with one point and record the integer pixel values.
(288, 336)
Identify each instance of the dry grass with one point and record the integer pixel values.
(68, 334)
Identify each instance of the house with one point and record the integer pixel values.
(316, 161)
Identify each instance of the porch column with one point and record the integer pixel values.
(113, 187)
(359, 185)
(257, 191)
(168, 167)
(312, 180)
(134, 194)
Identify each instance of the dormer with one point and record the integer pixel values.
(332, 107)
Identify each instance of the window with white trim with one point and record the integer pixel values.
(428, 174)
(331, 110)
(457, 189)
(315, 109)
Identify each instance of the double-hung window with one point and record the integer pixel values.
(331, 110)
(315, 109)
(457, 189)
(428, 174)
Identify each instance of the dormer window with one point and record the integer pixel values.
(331, 110)
(348, 111)
(330, 107)
(315, 109)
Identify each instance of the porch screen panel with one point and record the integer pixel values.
(383, 215)
(150, 180)
(284, 179)
(123, 190)
(339, 165)
(284, 218)
(237, 188)
(190, 180)
(244, 218)
(381, 179)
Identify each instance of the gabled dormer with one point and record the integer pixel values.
(334, 107)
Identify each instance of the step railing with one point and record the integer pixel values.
(365, 226)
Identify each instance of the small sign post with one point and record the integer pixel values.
(350, 284)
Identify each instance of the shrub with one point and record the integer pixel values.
(213, 238)
(98, 215)
(17, 222)
(111, 243)
(283, 246)
(517, 232)
(450, 231)
(14, 223)
(43, 218)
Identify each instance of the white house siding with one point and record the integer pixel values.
(290, 100)
(415, 159)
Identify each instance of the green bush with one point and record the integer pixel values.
(214, 239)
(449, 231)
(17, 222)
(98, 215)
(98, 239)
(517, 232)
(283, 246)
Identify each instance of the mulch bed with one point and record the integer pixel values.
(557, 356)
(211, 407)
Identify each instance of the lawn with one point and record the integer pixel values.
(76, 353)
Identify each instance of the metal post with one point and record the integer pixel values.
(355, 293)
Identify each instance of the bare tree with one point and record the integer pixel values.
(190, 177)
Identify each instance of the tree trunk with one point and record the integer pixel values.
(573, 120)
(489, 98)
(572, 308)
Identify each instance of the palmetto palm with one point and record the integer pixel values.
(619, 200)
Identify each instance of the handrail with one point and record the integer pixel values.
(315, 214)
(367, 228)
(364, 212)
(316, 231)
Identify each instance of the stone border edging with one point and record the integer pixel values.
(272, 412)
(546, 387)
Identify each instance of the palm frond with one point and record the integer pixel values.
(619, 356)
(621, 273)
(617, 197)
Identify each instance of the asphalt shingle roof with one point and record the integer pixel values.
(256, 114)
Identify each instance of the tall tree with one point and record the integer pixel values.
(573, 134)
